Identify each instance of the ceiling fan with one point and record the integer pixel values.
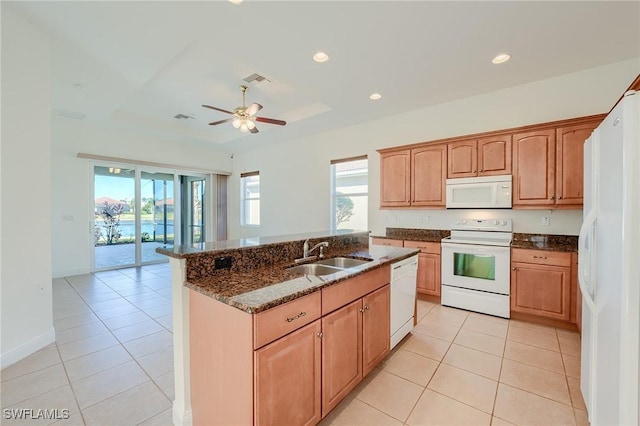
(244, 117)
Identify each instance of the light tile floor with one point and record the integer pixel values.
(112, 364)
(463, 368)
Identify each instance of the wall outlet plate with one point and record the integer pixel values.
(222, 262)
(546, 221)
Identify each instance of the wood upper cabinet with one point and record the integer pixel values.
(287, 379)
(462, 159)
(570, 162)
(483, 157)
(429, 266)
(494, 155)
(429, 175)
(395, 178)
(534, 168)
(376, 327)
(541, 283)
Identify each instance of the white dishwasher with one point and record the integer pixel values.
(403, 297)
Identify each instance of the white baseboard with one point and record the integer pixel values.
(182, 419)
(26, 349)
(70, 272)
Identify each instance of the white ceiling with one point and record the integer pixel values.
(136, 65)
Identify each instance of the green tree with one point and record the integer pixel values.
(147, 207)
(344, 210)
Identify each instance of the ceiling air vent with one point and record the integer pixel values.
(183, 117)
(255, 77)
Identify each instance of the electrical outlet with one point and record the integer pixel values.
(546, 221)
(222, 262)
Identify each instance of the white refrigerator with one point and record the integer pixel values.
(609, 267)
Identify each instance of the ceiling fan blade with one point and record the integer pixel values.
(253, 108)
(213, 123)
(254, 130)
(217, 109)
(271, 121)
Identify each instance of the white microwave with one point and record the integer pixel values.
(487, 192)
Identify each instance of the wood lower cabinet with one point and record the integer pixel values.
(376, 328)
(290, 364)
(355, 338)
(341, 354)
(429, 267)
(287, 379)
(541, 283)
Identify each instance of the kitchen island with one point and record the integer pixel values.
(250, 336)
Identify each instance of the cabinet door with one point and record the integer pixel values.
(534, 168)
(341, 354)
(287, 379)
(462, 159)
(494, 155)
(429, 274)
(429, 176)
(541, 290)
(387, 242)
(395, 178)
(570, 163)
(376, 328)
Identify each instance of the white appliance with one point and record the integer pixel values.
(609, 267)
(487, 192)
(476, 265)
(403, 297)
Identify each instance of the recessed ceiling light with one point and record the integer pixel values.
(375, 96)
(501, 58)
(321, 57)
(236, 1)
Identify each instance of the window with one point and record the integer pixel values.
(250, 199)
(349, 193)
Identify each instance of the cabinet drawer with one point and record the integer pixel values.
(425, 247)
(340, 294)
(541, 257)
(276, 322)
(386, 242)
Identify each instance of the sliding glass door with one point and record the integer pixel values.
(135, 213)
(157, 214)
(114, 227)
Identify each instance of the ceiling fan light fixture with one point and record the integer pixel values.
(320, 57)
(250, 124)
(501, 58)
(236, 123)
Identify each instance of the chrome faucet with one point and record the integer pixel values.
(306, 252)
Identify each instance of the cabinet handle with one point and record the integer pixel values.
(361, 310)
(367, 307)
(560, 198)
(539, 257)
(514, 269)
(295, 317)
(552, 198)
(319, 334)
(482, 170)
(475, 171)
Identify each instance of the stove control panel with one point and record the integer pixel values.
(502, 225)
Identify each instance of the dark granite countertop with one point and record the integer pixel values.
(412, 234)
(567, 243)
(183, 251)
(269, 286)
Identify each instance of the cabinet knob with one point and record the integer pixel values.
(514, 269)
(560, 198)
(482, 170)
(475, 171)
(319, 334)
(552, 198)
(361, 310)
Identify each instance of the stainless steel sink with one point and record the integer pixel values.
(314, 269)
(342, 262)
